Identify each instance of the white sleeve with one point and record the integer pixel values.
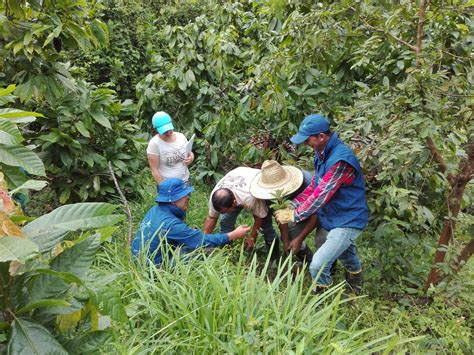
(153, 147)
(259, 208)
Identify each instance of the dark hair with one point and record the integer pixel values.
(222, 198)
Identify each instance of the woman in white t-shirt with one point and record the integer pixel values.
(166, 151)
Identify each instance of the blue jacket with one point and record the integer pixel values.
(166, 221)
(348, 206)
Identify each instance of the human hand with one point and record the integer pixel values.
(239, 233)
(285, 215)
(295, 246)
(189, 159)
(250, 244)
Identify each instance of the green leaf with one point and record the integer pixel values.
(15, 176)
(82, 129)
(25, 90)
(16, 249)
(99, 117)
(100, 32)
(49, 229)
(55, 33)
(7, 138)
(65, 194)
(12, 129)
(14, 115)
(29, 337)
(77, 259)
(88, 343)
(111, 304)
(190, 77)
(8, 90)
(43, 304)
(22, 157)
(30, 185)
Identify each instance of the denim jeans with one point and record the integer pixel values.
(339, 244)
(228, 225)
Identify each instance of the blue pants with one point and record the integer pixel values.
(339, 244)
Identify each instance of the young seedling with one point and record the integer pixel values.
(280, 201)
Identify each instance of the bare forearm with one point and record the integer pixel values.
(256, 227)
(209, 224)
(156, 175)
(309, 227)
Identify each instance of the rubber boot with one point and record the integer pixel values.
(354, 282)
(305, 255)
(334, 268)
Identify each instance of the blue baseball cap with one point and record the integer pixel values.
(311, 125)
(171, 190)
(162, 122)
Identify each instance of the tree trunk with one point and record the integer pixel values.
(458, 183)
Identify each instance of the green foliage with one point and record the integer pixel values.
(84, 126)
(122, 61)
(53, 293)
(241, 76)
(85, 130)
(280, 202)
(208, 304)
(47, 296)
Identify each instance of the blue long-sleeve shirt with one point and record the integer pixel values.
(166, 222)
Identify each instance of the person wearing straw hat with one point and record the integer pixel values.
(337, 196)
(291, 181)
(229, 197)
(163, 229)
(166, 151)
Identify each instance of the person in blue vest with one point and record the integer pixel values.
(337, 196)
(163, 228)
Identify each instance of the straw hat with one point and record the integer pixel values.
(273, 177)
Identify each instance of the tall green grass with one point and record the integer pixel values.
(224, 303)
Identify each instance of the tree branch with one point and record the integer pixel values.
(439, 159)
(464, 256)
(411, 46)
(125, 203)
(459, 182)
(419, 31)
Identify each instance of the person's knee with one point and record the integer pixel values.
(316, 265)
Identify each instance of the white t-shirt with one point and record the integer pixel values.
(238, 181)
(171, 156)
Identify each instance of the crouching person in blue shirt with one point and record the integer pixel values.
(163, 227)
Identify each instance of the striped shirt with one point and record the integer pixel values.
(313, 198)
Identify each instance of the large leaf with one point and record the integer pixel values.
(43, 304)
(88, 343)
(19, 116)
(29, 337)
(15, 248)
(12, 129)
(14, 175)
(111, 303)
(30, 185)
(7, 138)
(77, 259)
(100, 32)
(49, 229)
(100, 118)
(50, 284)
(22, 157)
